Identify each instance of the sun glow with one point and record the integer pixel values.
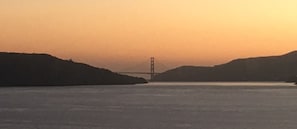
(118, 33)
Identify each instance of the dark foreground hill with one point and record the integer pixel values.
(273, 68)
(45, 70)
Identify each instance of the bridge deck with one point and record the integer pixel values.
(136, 73)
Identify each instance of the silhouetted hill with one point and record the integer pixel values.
(273, 68)
(44, 70)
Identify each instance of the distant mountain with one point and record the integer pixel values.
(18, 69)
(273, 68)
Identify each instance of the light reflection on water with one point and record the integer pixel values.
(219, 84)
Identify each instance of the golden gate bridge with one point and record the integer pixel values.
(151, 72)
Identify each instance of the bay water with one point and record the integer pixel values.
(170, 105)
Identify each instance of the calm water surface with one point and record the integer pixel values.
(151, 106)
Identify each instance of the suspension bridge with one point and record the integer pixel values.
(151, 72)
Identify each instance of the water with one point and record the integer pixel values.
(151, 106)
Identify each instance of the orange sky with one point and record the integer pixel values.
(120, 34)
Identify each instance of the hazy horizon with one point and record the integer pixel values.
(120, 34)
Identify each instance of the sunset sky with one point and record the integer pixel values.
(120, 34)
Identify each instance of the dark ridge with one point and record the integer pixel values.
(20, 69)
(272, 68)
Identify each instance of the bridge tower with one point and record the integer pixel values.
(152, 67)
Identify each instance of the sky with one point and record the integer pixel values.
(124, 34)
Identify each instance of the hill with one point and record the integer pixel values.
(18, 69)
(273, 68)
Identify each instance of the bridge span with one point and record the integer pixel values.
(152, 72)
